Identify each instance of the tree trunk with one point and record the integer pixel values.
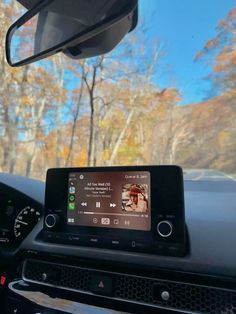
(14, 125)
(121, 137)
(32, 154)
(91, 135)
(74, 124)
(91, 126)
(59, 70)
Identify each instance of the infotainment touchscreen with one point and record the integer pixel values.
(136, 208)
(110, 200)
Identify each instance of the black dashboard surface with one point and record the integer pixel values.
(210, 220)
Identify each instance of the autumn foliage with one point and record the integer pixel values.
(108, 110)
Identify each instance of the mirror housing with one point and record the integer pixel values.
(104, 42)
(90, 31)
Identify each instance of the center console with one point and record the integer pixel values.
(137, 209)
(110, 242)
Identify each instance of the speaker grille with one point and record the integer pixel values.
(70, 277)
(185, 297)
(182, 296)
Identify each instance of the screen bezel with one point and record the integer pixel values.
(166, 197)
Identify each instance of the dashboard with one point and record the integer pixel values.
(208, 267)
(18, 215)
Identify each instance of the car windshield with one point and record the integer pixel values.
(165, 95)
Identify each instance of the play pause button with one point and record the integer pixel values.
(102, 284)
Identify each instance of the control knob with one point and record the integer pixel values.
(52, 220)
(165, 229)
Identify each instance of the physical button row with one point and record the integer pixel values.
(96, 241)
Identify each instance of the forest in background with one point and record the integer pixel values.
(109, 111)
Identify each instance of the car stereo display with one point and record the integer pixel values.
(110, 200)
(135, 208)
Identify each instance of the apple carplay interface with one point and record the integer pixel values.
(110, 199)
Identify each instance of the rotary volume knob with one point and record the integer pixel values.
(51, 220)
(165, 229)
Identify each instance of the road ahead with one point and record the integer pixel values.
(206, 175)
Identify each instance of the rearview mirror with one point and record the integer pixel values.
(59, 25)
